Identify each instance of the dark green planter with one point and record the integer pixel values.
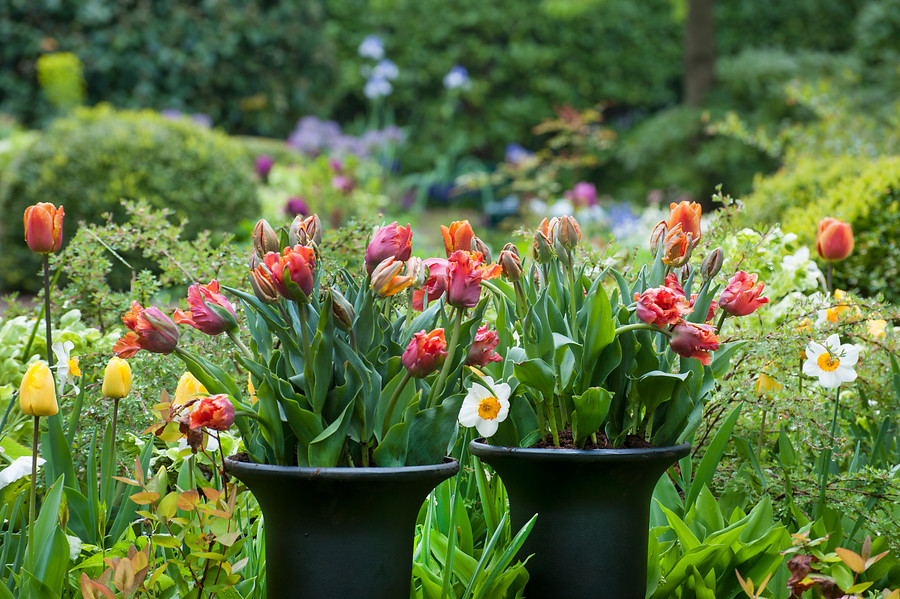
(593, 506)
(339, 532)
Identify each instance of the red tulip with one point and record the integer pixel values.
(457, 237)
(215, 412)
(210, 312)
(486, 341)
(151, 330)
(464, 276)
(43, 227)
(435, 285)
(425, 353)
(692, 340)
(834, 239)
(742, 295)
(392, 241)
(661, 306)
(293, 269)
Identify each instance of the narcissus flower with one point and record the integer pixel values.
(188, 388)
(215, 412)
(37, 393)
(210, 311)
(458, 236)
(485, 406)
(742, 295)
(425, 353)
(43, 227)
(482, 351)
(832, 362)
(391, 241)
(66, 367)
(692, 340)
(834, 239)
(292, 272)
(117, 378)
(662, 306)
(151, 330)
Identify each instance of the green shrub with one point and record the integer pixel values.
(92, 160)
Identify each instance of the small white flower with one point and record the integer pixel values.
(831, 362)
(75, 546)
(377, 87)
(372, 47)
(385, 69)
(456, 78)
(485, 406)
(66, 366)
(20, 468)
(796, 261)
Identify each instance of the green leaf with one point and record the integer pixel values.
(431, 430)
(713, 455)
(599, 330)
(591, 408)
(325, 450)
(657, 387)
(538, 375)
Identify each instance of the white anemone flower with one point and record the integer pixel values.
(832, 362)
(485, 406)
(66, 366)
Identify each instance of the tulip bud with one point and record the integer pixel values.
(416, 269)
(541, 249)
(188, 388)
(297, 233)
(254, 260)
(313, 227)
(343, 311)
(834, 239)
(391, 241)
(479, 246)
(510, 264)
(659, 233)
(386, 279)
(117, 379)
(43, 227)
(562, 253)
(265, 239)
(263, 286)
(567, 233)
(712, 264)
(37, 393)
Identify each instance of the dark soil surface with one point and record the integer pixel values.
(567, 441)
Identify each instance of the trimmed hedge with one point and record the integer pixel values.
(90, 161)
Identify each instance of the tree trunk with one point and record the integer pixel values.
(699, 51)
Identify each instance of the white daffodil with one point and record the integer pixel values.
(66, 366)
(831, 362)
(485, 406)
(20, 468)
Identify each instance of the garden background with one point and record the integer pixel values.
(168, 128)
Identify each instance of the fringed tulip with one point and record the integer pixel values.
(742, 295)
(391, 241)
(425, 353)
(387, 280)
(458, 236)
(692, 340)
(482, 351)
(151, 330)
(210, 312)
(464, 275)
(215, 412)
(292, 272)
(686, 214)
(661, 306)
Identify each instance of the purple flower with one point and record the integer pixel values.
(377, 87)
(296, 205)
(342, 184)
(516, 154)
(371, 47)
(458, 77)
(336, 165)
(385, 69)
(263, 165)
(583, 194)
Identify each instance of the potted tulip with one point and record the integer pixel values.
(355, 397)
(608, 382)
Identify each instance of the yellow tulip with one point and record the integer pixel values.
(188, 388)
(766, 386)
(37, 394)
(117, 379)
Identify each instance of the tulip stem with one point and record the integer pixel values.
(570, 271)
(236, 339)
(47, 308)
(826, 458)
(393, 402)
(554, 430)
(642, 326)
(828, 271)
(33, 493)
(448, 361)
(114, 419)
(304, 334)
(722, 318)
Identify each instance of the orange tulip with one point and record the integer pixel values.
(43, 227)
(834, 239)
(688, 215)
(457, 237)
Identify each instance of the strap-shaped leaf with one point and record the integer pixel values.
(591, 408)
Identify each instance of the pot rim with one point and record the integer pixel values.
(446, 468)
(481, 448)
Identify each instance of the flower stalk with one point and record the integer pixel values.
(448, 361)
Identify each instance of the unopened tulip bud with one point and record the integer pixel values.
(386, 278)
(313, 228)
(479, 246)
(834, 239)
(416, 269)
(567, 233)
(43, 227)
(510, 264)
(37, 393)
(659, 233)
(265, 239)
(188, 388)
(343, 311)
(117, 379)
(297, 233)
(254, 260)
(712, 264)
(263, 286)
(562, 253)
(541, 249)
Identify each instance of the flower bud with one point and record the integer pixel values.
(117, 378)
(425, 353)
(677, 247)
(297, 233)
(567, 233)
(391, 241)
(265, 239)
(658, 234)
(43, 227)
(562, 253)
(541, 249)
(313, 226)
(263, 285)
(479, 246)
(510, 264)
(188, 388)
(834, 239)
(37, 393)
(386, 279)
(712, 264)
(343, 311)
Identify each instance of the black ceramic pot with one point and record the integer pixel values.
(339, 532)
(593, 506)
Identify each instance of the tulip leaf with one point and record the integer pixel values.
(591, 408)
(538, 375)
(382, 418)
(710, 461)
(599, 330)
(392, 450)
(319, 371)
(431, 430)
(657, 387)
(325, 449)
